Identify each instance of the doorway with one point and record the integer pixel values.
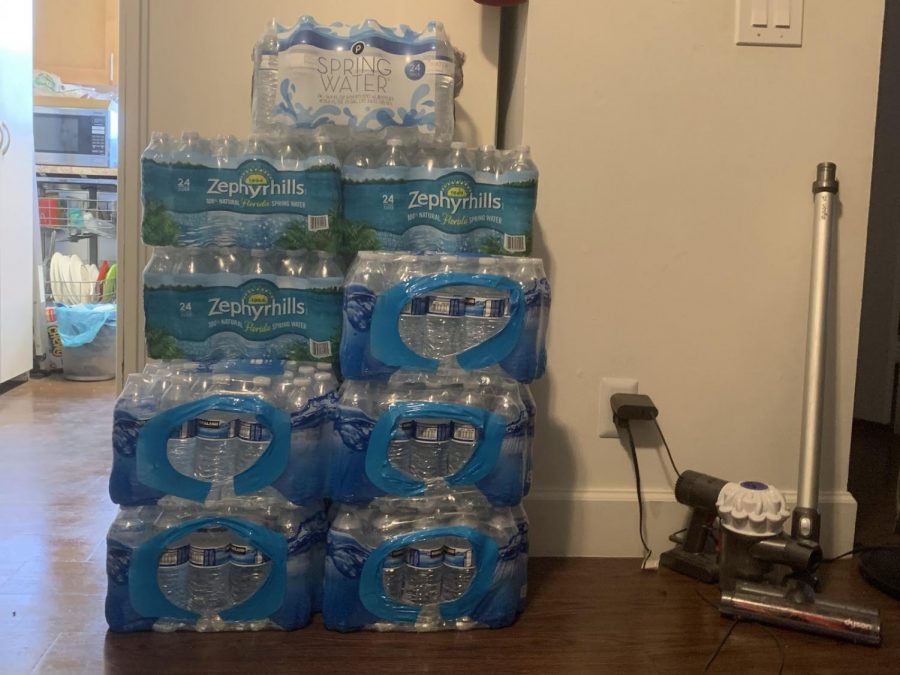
(875, 447)
(76, 125)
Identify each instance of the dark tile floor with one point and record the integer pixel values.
(585, 615)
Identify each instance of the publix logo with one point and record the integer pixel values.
(256, 303)
(455, 194)
(256, 181)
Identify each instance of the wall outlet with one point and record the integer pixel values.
(606, 428)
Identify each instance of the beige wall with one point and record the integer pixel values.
(675, 221)
(201, 78)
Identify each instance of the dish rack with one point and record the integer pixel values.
(78, 217)
(78, 292)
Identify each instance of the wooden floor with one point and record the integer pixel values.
(585, 615)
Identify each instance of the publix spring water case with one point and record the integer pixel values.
(211, 304)
(424, 433)
(421, 564)
(232, 428)
(365, 76)
(250, 564)
(429, 312)
(260, 193)
(416, 195)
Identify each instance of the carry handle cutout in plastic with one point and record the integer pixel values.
(388, 347)
(155, 470)
(371, 588)
(491, 429)
(147, 598)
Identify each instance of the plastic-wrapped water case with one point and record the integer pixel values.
(426, 312)
(260, 193)
(415, 195)
(421, 564)
(422, 433)
(210, 303)
(252, 564)
(208, 431)
(364, 76)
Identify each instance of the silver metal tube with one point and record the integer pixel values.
(824, 189)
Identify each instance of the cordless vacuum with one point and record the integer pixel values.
(735, 536)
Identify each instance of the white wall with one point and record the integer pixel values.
(200, 78)
(675, 222)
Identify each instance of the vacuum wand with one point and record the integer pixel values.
(805, 518)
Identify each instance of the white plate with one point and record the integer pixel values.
(90, 286)
(54, 276)
(74, 278)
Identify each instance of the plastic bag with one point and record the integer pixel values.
(79, 324)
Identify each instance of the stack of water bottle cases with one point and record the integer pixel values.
(348, 240)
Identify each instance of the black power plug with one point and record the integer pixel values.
(628, 407)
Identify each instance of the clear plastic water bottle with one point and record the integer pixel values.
(192, 262)
(288, 156)
(424, 562)
(459, 568)
(411, 325)
(401, 442)
(461, 446)
(520, 166)
(322, 152)
(442, 324)
(173, 569)
(359, 157)
(163, 261)
(227, 152)
(227, 261)
(214, 454)
(183, 440)
(193, 149)
(323, 382)
(325, 266)
(393, 160)
(394, 572)
(249, 569)
(486, 165)
(444, 83)
(291, 264)
(265, 79)
(159, 149)
(209, 591)
(282, 386)
(459, 158)
(253, 437)
(428, 450)
(306, 370)
(259, 264)
(486, 308)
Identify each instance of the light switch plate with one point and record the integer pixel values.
(606, 428)
(772, 34)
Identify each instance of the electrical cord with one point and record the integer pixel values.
(721, 644)
(666, 446)
(640, 496)
(860, 549)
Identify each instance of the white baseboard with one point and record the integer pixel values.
(603, 523)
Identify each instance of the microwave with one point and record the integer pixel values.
(75, 132)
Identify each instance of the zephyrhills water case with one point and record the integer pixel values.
(249, 564)
(211, 304)
(421, 564)
(424, 433)
(366, 76)
(235, 428)
(425, 312)
(260, 193)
